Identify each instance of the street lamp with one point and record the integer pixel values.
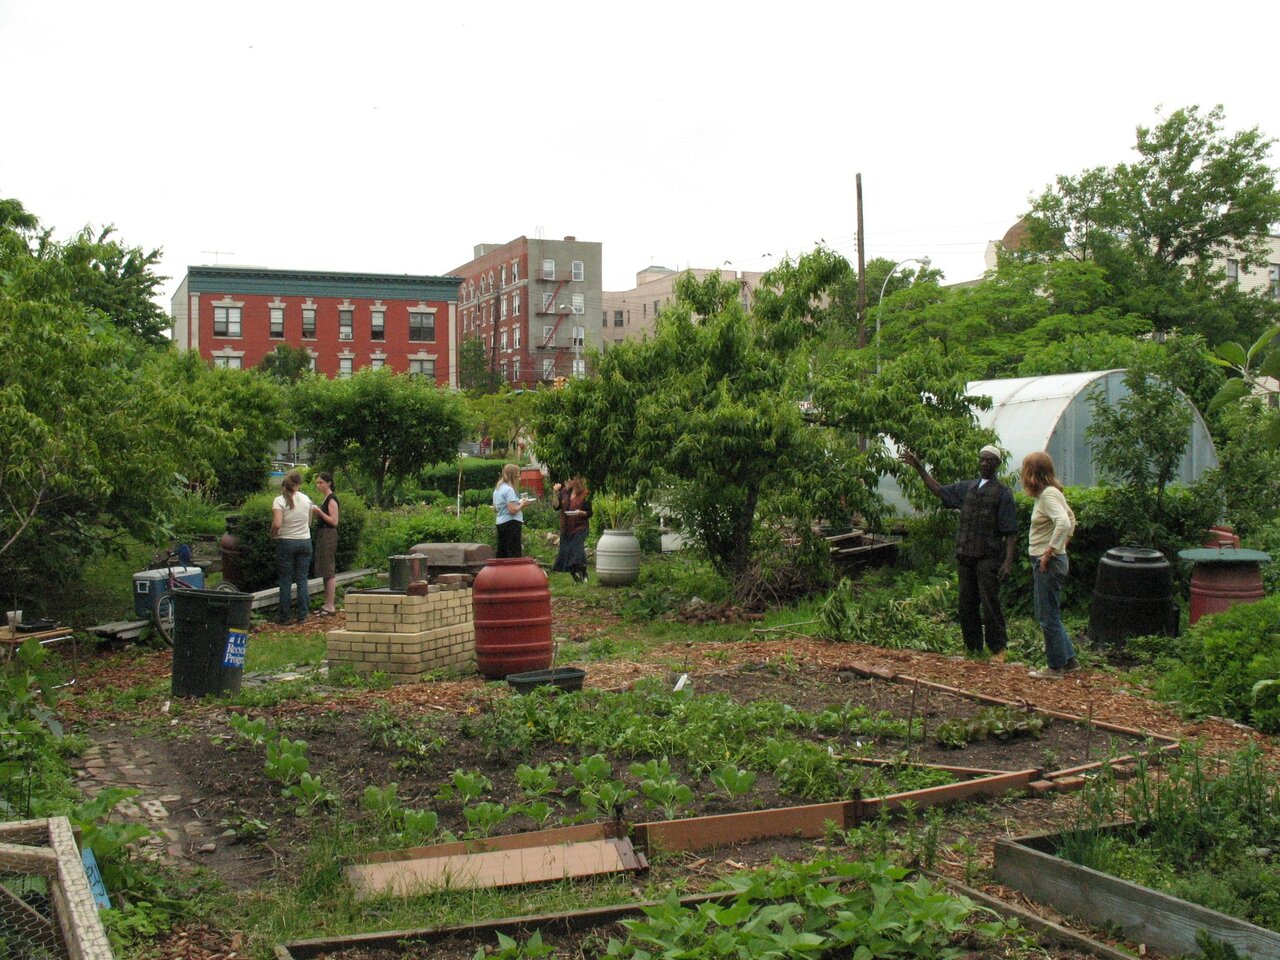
(924, 264)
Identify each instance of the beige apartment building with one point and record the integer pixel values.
(629, 314)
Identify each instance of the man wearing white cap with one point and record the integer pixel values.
(984, 547)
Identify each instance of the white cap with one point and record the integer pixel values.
(993, 450)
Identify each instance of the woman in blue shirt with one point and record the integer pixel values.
(509, 507)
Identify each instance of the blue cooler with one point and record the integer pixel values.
(150, 585)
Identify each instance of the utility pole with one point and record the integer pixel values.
(862, 274)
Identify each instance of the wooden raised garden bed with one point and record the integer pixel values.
(1161, 922)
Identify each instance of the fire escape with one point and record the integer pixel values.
(552, 308)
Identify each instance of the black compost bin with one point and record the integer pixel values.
(1132, 597)
(210, 632)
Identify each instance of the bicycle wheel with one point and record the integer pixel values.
(224, 587)
(163, 617)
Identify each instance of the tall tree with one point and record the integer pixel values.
(93, 437)
(286, 364)
(379, 427)
(1156, 225)
(475, 371)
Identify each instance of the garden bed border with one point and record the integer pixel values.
(1168, 745)
(1163, 922)
(590, 916)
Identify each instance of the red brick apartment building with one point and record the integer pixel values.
(235, 316)
(528, 301)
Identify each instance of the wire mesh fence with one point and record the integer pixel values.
(47, 910)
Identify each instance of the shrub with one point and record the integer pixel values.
(393, 532)
(476, 474)
(252, 528)
(1222, 658)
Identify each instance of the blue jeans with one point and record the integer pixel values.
(293, 562)
(1048, 588)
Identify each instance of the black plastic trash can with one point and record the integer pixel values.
(210, 633)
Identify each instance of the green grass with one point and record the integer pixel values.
(268, 651)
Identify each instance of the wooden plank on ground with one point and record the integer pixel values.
(701, 833)
(952, 792)
(514, 841)
(1164, 923)
(270, 597)
(496, 868)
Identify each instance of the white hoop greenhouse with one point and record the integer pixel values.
(1053, 413)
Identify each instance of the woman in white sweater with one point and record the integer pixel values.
(1052, 524)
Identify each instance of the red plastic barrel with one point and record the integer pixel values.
(512, 605)
(1217, 586)
(531, 479)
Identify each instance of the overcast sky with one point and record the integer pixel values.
(392, 137)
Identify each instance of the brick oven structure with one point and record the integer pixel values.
(406, 636)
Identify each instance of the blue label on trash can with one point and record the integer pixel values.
(236, 640)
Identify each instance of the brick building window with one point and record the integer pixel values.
(548, 336)
(579, 304)
(515, 304)
(548, 369)
(377, 363)
(277, 323)
(504, 340)
(346, 322)
(579, 336)
(548, 269)
(576, 270)
(617, 318)
(308, 323)
(227, 363)
(546, 303)
(226, 321)
(515, 271)
(422, 326)
(345, 366)
(579, 367)
(515, 369)
(377, 325)
(423, 368)
(516, 333)
(503, 309)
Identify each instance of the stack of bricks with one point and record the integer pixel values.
(407, 635)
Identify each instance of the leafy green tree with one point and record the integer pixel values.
(286, 364)
(93, 438)
(475, 371)
(1139, 441)
(1156, 225)
(246, 410)
(504, 416)
(379, 427)
(1257, 372)
(709, 411)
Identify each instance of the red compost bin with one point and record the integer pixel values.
(512, 605)
(1223, 577)
(531, 479)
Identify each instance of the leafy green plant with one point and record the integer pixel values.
(382, 802)
(418, 826)
(465, 787)
(535, 782)
(1218, 663)
(732, 782)
(668, 793)
(311, 794)
(509, 949)
(484, 816)
(539, 811)
(253, 732)
(287, 760)
(1003, 723)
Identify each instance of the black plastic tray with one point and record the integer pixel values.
(566, 678)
